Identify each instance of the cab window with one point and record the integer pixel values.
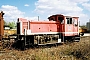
(52, 19)
(61, 19)
(69, 20)
(75, 22)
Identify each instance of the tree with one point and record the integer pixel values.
(12, 25)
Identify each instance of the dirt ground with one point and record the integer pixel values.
(60, 52)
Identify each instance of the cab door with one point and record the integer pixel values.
(75, 25)
(69, 26)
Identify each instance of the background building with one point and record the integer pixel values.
(88, 26)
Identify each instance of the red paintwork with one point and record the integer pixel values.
(45, 26)
(50, 26)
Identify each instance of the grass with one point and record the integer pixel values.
(73, 51)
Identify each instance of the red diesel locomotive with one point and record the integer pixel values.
(58, 29)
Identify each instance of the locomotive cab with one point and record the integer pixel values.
(58, 18)
(71, 28)
(68, 26)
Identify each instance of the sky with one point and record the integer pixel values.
(31, 9)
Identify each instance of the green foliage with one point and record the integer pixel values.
(12, 25)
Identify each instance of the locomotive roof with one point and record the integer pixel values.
(56, 15)
(62, 15)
